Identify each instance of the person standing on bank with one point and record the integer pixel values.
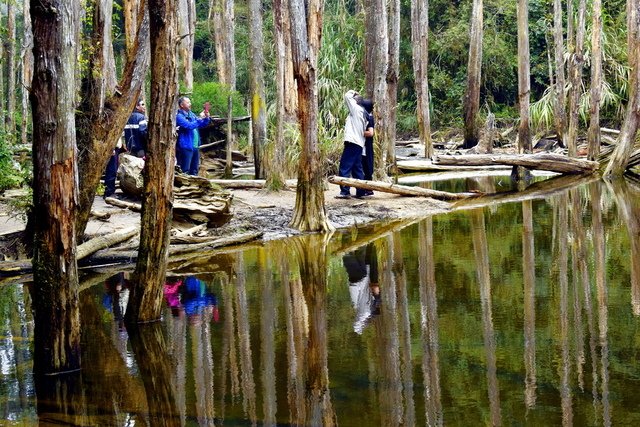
(351, 159)
(135, 131)
(367, 153)
(187, 154)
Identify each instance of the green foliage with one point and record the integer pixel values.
(217, 94)
(10, 175)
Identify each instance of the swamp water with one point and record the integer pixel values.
(523, 313)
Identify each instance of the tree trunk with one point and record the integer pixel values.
(306, 31)
(10, 123)
(524, 83)
(392, 85)
(27, 69)
(593, 137)
(131, 9)
(98, 126)
(559, 114)
(186, 32)
(377, 30)
(256, 86)
(471, 103)
(420, 41)
(577, 61)
(145, 303)
(221, 15)
(55, 180)
(620, 157)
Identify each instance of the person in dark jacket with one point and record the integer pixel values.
(187, 154)
(367, 153)
(135, 131)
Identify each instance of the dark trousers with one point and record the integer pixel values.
(188, 160)
(351, 166)
(367, 160)
(110, 174)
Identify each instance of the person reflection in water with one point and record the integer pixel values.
(362, 268)
(190, 297)
(116, 297)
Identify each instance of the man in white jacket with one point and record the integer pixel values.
(351, 160)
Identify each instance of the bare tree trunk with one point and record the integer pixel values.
(109, 67)
(27, 69)
(221, 15)
(55, 197)
(130, 10)
(306, 31)
(99, 125)
(420, 41)
(620, 157)
(529, 281)
(256, 86)
(145, 302)
(471, 103)
(186, 32)
(228, 164)
(593, 137)
(559, 114)
(377, 30)
(9, 118)
(2, 106)
(524, 83)
(392, 85)
(577, 61)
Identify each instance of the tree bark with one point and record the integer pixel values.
(256, 86)
(540, 161)
(593, 137)
(306, 32)
(577, 61)
(420, 41)
(559, 114)
(620, 157)
(9, 118)
(471, 103)
(186, 32)
(27, 69)
(221, 15)
(378, 59)
(392, 86)
(524, 83)
(55, 198)
(145, 303)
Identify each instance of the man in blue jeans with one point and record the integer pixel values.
(187, 154)
(351, 159)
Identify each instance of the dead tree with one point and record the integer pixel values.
(524, 84)
(256, 87)
(559, 110)
(577, 61)
(593, 136)
(420, 40)
(471, 103)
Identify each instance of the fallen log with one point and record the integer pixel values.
(102, 242)
(99, 215)
(540, 161)
(243, 184)
(402, 190)
(426, 165)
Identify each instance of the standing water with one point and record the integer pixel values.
(524, 313)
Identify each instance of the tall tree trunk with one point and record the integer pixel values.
(306, 32)
(27, 69)
(559, 113)
(145, 301)
(11, 71)
(186, 31)
(2, 106)
(420, 41)
(577, 61)
(276, 177)
(392, 84)
(524, 84)
(471, 103)
(620, 157)
(529, 282)
(222, 17)
(100, 125)
(256, 86)
(596, 81)
(131, 10)
(377, 31)
(55, 178)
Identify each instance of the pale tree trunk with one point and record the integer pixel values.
(559, 110)
(593, 137)
(256, 86)
(2, 126)
(221, 15)
(392, 85)
(186, 31)
(529, 282)
(27, 69)
(524, 84)
(626, 139)
(290, 85)
(131, 10)
(577, 61)
(145, 301)
(10, 123)
(377, 32)
(276, 177)
(109, 67)
(55, 180)
(471, 103)
(306, 32)
(99, 125)
(420, 41)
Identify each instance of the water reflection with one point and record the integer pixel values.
(525, 313)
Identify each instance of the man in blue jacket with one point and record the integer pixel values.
(135, 131)
(187, 155)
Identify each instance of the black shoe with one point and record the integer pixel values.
(359, 196)
(343, 196)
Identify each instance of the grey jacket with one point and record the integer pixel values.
(355, 124)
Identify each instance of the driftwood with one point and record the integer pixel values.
(99, 215)
(102, 242)
(540, 161)
(425, 165)
(240, 184)
(402, 190)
